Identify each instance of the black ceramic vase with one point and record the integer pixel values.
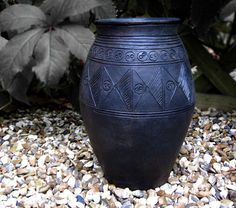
(137, 99)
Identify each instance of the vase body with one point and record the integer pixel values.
(137, 99)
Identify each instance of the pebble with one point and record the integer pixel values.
(122, 193)
(138, 193)
(46, 160)
(215, 127)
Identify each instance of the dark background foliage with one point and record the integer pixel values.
(208, 30)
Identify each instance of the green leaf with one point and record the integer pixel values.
(210, 68)
(58, 10)
(52, 58)
(228, 9)
(17, 54)
(21, 17)
(77, 38)
(3, 42)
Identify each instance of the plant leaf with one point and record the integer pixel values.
(52, 58)
(228, 9)
(77, 38)
(21, 82)
(81, 19)
(17, 54)
(21, 17)
(228, 60)
(203, 13)
(3, 42)
(60, 9)
(105, 10)
(24, 1)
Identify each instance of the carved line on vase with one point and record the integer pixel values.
(124, 86)
(113, 86)
(90, 89)
(143, 47)
(155, 87)
(140, 43)
(140, 115)
(134, 64)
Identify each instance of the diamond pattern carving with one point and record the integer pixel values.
(130, 87)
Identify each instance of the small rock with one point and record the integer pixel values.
(138, 193)
(231, 187)
(207, 158)
(215, 127)
(71, 182)
(226, 203)
(88, 164)
(122, 193)
(4, 160)
(6, 137)
(215, 204)
(127, 204)
(80, 199)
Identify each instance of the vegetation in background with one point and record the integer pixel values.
(42, 41)
(208, 31)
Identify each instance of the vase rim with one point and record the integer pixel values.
(138, 21)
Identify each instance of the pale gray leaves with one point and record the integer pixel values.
(228, 9)
(52, 58)
(3, 42)
(17, 54)
(41, 40)
(77, 38)
(21, 17)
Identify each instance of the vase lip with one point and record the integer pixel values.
(138, 21)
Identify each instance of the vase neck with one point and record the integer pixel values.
(146, 30)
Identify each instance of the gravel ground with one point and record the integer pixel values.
(46, 161)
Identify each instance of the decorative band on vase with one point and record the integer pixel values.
(119, 55)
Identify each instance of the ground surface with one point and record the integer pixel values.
(46, 161)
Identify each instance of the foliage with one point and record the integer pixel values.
(42, 39)
(208, 27)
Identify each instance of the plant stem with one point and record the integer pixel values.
(10, 101)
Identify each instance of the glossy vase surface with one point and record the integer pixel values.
(137, 98)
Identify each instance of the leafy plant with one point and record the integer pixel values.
(43, 39)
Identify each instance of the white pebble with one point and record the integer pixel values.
(6, 137)
(71, 182)
(32, 137)
(231, 187)
(184, 163)
(138, 193)
(88, 164)
(41, 160)
(5, 159)
(122, 193)
(214, 204)
(215, 127)
(217, 167)
(207, 158)
(86, 178)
